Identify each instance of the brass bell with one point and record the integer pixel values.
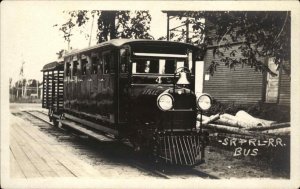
(183, 80)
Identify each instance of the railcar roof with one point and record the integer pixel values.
(53, 66)
(120, 42)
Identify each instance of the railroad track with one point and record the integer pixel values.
(39, 116)
(40, 119)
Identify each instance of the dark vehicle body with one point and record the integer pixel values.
(115, 87)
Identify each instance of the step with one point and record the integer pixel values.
(88, 132)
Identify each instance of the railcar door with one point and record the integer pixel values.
(123, 87)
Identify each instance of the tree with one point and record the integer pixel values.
(258, 33)
(10, 82)
(111, 24)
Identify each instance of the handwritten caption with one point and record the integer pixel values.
(250, 147)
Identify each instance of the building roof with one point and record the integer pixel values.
(121, 42)
(53, 66)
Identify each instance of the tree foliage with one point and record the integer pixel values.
(259, 34)
(110, 24)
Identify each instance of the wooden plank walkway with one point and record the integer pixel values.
(34, 154)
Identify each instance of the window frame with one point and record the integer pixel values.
(113, 57)
(176, 60)
(124, 60)
(67, 69)
(104, 55)
(83, 66)
(73, 70)
(94, 64)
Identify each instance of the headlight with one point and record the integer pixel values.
(165, 101)
(204, 102)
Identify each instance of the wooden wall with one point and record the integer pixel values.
(242, 85)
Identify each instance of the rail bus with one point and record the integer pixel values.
(139, 90)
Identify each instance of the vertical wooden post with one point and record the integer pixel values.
(57, 91)
(47, 90)
(43, 88)
(168, 27)
(187, 30)
(53, 89)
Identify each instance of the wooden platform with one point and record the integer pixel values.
(34, 154)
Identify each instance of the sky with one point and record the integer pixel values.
(28, 35)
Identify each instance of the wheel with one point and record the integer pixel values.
(60, 124)
(55, 122)
(50, 113)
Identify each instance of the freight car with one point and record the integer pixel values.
(140, 90)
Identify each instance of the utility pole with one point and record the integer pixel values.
(91, 31)
(187, 30)
(21, 76)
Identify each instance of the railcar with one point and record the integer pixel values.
(140, 90)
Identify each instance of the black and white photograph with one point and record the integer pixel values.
(150, 94)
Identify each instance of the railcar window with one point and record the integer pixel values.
(180, 64)
(124, 65)
(95, 61)
(169, 67)
(112, 63)
(75, 68)
(161, 66)
(113, 59)
(147, 66)
(106, 60)
(124, 60)
(68, 70)
(109, 63)
(100, 66)
(83, 66)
